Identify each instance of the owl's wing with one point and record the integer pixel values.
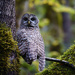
(22, 42)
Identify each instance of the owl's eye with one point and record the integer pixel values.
(25, 19)
(33, 19)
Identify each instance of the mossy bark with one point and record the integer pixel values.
(9, 57)
(8, 47)
(61, 69)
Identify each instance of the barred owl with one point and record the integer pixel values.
(30, 42)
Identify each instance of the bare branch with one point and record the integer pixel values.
(66, 63)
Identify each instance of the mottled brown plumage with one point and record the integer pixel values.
(30, 42)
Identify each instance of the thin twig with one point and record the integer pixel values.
(60, 61)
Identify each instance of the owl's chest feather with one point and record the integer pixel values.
(32, 35)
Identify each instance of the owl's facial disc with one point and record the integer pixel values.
(29, 20)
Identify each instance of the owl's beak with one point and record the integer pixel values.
(28, 22)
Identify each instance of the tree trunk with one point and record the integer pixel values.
(66, 26)
(7, 16)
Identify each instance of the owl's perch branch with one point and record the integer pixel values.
(63, 62)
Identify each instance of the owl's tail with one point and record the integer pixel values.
(41, 63)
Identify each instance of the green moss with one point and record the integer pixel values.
(61, 69)
(7, 48)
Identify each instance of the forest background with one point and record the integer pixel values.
(56, 22)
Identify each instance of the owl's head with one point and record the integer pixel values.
(29, 20)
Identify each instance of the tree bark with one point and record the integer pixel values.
(7, 15)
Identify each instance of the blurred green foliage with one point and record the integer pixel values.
(27, 69)
(49, 13)
(56, 6)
